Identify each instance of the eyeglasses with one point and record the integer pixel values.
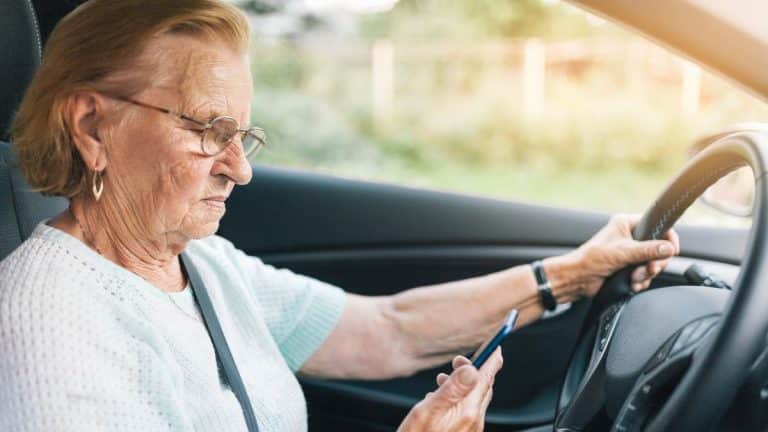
(217, 134)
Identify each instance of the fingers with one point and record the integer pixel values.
(643, 275)
(493, 364)
(640, 252)
(441, 378)
(631, 221)
(640, 286)
(486, 399)
(467, 390)
(457, 362)
(488, 371)
(673, 238)
(457, 386)
(460, 361)
(640, 274)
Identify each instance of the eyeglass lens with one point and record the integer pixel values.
(223, 131)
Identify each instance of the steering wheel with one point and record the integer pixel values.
(673, 359)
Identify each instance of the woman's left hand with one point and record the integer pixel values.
(610, 250)
(461, 400)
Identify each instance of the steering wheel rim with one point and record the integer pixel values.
(714, 377)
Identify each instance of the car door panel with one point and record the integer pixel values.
(359, 271)
(283, 210)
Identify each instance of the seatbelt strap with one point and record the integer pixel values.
(220, 343)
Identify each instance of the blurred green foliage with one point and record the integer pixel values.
(608, 137)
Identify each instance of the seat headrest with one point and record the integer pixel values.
(20, 50)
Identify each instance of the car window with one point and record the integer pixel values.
(533, 101)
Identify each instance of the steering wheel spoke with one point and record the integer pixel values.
(576, 410)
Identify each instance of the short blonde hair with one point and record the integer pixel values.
(96, 47)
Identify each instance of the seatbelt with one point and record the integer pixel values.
(220, 343)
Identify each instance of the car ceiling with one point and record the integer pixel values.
(727, 37)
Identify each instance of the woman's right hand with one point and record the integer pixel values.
(460, 402)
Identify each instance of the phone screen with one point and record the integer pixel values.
(488, 347)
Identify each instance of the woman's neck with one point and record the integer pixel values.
(152, 257)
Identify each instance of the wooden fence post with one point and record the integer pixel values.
(534, 73)
(382, 82)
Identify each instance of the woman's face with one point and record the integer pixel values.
(157, 179)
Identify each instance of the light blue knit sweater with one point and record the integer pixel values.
(87, 345)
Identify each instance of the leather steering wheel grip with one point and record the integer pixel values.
(708, 166)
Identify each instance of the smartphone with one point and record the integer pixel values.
(488, 347)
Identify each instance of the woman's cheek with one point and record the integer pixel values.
(188, 177)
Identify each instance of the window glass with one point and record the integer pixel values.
(528, 100)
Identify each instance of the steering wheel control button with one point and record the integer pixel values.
(693, 332)
(605, 331)
(703, 329)
(603, 343)
(685, 334)
(634, 411)
(608, 321)
(660, 355)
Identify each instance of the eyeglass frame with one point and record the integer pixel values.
(206, 126)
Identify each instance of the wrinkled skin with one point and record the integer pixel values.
(160, 190)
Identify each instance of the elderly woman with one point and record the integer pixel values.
(138, 116)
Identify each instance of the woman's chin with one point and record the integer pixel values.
(203, 227)
(202, 231)
(202, 221)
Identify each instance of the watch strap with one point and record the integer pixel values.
(545, 288)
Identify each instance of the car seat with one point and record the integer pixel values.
(20, 48)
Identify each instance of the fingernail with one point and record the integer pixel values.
(665, 249)
(640, 274)
(466, 376)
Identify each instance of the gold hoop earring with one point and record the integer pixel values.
(98, 185)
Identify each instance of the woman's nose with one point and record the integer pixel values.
(233, 163)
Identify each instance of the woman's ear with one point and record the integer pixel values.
(85, 117)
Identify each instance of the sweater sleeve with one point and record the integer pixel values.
(69, 361)
(299, 311)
